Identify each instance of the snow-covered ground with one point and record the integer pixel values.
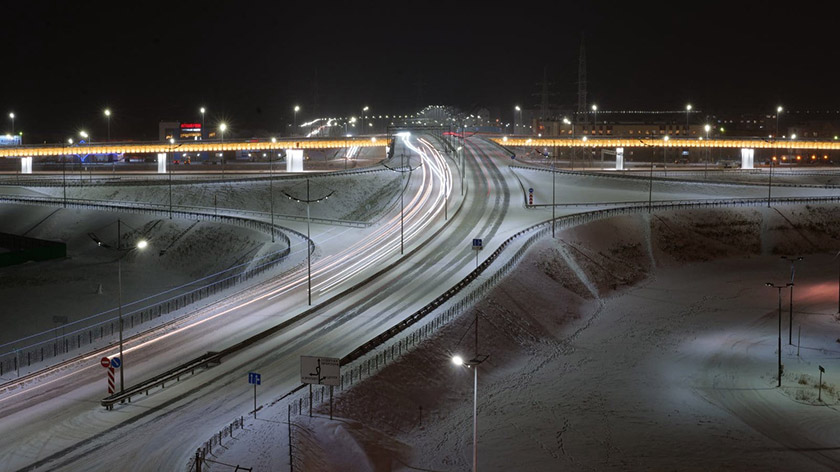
(643, 342)
(85, 283)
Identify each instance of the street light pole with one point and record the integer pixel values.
(402, 196)
(141, 244)
(778, 112)
(12, 116)
(473, 364)
(793, 261)
(294, 125)
(310, 245)
(202, 110)
(169, 169)
(553, 190)
(271, 186)
(687, 111)
(779, 288)
(108, 118)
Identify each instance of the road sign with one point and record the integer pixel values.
(116, 362)
(477, 244)
(320, 370)
(254, 378)
(821, 368)
(105, 362)
(531, 190)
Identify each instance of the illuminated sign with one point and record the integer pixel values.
(190, 131)
(9, 140)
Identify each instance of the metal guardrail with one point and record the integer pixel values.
(659, 178)
(204, 361)
(49, 347)
(544, 228)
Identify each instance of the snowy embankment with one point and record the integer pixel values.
(49, 295)
(52, 295)
(644, 342)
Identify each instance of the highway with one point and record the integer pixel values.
(59, 424)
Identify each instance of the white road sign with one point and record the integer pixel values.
(320, 370)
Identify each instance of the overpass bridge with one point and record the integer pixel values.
(746, 145)
(190, 146)
(676, 143)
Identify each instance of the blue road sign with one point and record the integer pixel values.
(477, 243)
(530, 190)
(116, 362)
(253, 378)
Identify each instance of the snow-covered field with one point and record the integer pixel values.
(643, 342)
(85, 283)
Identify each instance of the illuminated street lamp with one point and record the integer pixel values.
(12, 117)
(665, 140)
(778, 112)
(108, 117)
(141, 244)
(294, 126)
(779, 287)
(202, 110)
(85, 135)
(473, 364)
(519, 120)
(363, 118)
(595, 117)
(687, 111)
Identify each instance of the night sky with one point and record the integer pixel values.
(249, 63)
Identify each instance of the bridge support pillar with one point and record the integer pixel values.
(161, 161)
(747, 157)
(26, 165)
(619, 158)
(294, 160)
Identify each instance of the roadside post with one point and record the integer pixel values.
(477, 245)
(819, 395)
(254, 379)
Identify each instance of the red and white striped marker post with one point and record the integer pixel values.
(106, 363)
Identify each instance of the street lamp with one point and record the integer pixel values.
(594, 117)
(169, 168)
(518, 122)
(473, 364)
(687, 111)
(108, 117)
(294, 126)
(141, 244)
(12, 116)
(202, 110)
(793, 261)
(665, 140)
(778, 112)
(85, 135)
(271, 185)
(779, 287)
(363, 119)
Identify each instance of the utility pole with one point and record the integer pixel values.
(310, 244)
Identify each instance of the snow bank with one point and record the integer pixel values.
(635, 343)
